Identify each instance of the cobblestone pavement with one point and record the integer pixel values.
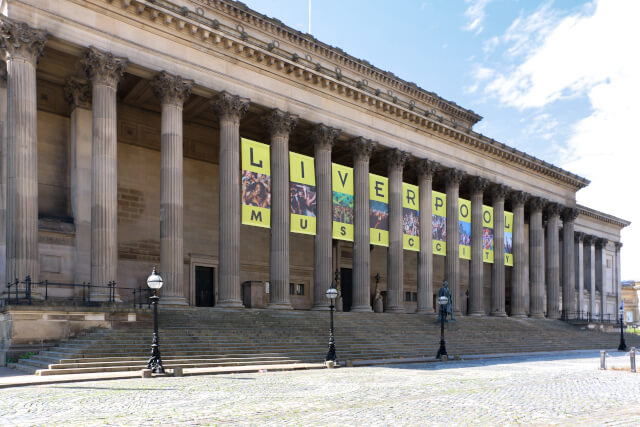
(528, 390)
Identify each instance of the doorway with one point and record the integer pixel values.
(346, 283)
(204, 286)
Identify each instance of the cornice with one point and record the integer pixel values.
(603, 217)
(238, 43)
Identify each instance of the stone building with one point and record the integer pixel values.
(121, 125)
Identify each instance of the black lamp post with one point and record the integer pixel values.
(442, 301)
(332, 294)
(155, 282)
(623, 344)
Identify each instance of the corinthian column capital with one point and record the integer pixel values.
(77, 92)
(454, 176)
(396, 159)
(280, 123)
(553, 209)
(230, 106)
(537, 203)
(578, 236)
(323, 136)
(171, 89)
(569, 214)
(479, 184)
(103, 68)
(21, 41)
(499, 192)
(362, 148)
(427, 168)
(519, 198)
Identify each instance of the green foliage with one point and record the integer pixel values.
(27, 355)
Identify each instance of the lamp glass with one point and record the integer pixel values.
(154, 281)
(443, 300)
(332, 293)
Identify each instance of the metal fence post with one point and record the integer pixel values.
(632, 356)
(603, 360)
(28, 285)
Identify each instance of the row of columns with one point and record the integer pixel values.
(24, 45)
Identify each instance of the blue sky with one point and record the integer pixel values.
(557, 80)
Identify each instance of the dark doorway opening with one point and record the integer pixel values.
(204, 286)
(346, 283)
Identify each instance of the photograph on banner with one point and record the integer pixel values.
(439, 223)
(256, 184)
(342, 200)
(378, 210)
(303, 193)
(410, 217)
(508, 238)
(487, 234)
(464, 229)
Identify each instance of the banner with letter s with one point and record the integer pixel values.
(256, 184)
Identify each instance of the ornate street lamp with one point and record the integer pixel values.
(623, 344)
(155, 282)
(331, 294)
(442, 302)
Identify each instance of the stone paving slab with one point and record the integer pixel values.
(551, 389)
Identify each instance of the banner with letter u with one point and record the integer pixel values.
(410, 217)
(342, 200)
(302, 175)
(487, 234)
(378, 210)
(256, 184)
(508, 238)
(464, 229)
(439, 223)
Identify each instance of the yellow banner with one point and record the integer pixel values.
(508, 239)
(342, 199)
(256, 184)
(303, 193)
(464, 229)
(410, 217)
(378, 210)
(487, 234)
(439, 223)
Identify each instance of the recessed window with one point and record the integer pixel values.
(291, 288)
(300, 289)
(414, 296)
(407, 296)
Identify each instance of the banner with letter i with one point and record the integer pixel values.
(464, 229)
(410, 217)
(342, 200)
(302, 175)
(487, 234)
(378, 210)
(256, 184)
(439, 223)
(508, 238)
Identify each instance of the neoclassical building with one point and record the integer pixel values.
(121, 129)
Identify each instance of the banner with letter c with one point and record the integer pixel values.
(256, 184)
(410, 217)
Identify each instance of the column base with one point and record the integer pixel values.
(553, 316)
(320, 307)
(499, 314)
(477, 314)
(280, 306)
(425, 311)
(518, 316)
(362, 309)
(537, 315)
(395, 310)
(231, 303)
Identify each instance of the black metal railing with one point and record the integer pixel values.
(587, 316)
(21, 292)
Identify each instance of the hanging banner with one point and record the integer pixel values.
(342, 199)
(487, 234)
(256, 184)
(302, 175)
(378, 210)
(439, 223)
(410, 217)
(508, 238)
(464, 229)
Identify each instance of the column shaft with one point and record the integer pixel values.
(497, 270)
(552, 263)
(395, 262)
(452, 261)
(476, 266)
(426, 169)
(592, 275)
(618, 280)
(3, 177)
(568, 263)
(601, 275)
(518, 275)
(579, 271)
(536, 259)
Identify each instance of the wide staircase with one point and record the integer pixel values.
(201, 338)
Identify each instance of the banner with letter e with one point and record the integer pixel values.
(342, 200)
(302, 188)
(256, 184)
(410, 217)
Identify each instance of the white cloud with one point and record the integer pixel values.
(593, 54)
(475, 14)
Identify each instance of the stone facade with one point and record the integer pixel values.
(130, 128)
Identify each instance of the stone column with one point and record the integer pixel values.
(396, 160)
(618, 280)
(362, 149)
(426, 169)
(3, 176)
(230, 110)
(280, 124)
(579, 268)
(78, 95)
(172, 91)
(519, 273)
(568, 263)
(497, 269)
(552, 262)
(601, 273)
(536, 258)
(590, 272)
(452, 262)
(323, 138)
(105, 71)
(476, 273)
(22, 46)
